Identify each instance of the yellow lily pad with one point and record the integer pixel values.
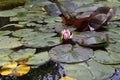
(14, 69)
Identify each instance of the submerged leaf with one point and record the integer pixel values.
(70, 54)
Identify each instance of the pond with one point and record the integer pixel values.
(60, 40)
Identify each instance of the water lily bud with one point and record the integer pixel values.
(65, 35)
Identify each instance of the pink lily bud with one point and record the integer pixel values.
(65, 35)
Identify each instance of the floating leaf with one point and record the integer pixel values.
(89, 71)
(14, 69)
(113, 34)
(53, 19)
(39, 39)
(104, 57)
(110, 3)
(88, 7)
(92, 39)
(22, 54)
(7, 13)
(38, 59)
(113, 47)
(21, 32)
(70, 54)
(4, 59)
(111, 56)
(5, 52)
(2, 33)
(67, 78)
(9, 42)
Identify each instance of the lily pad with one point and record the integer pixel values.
(53, 19)
(2, 33)
(21, 32)
(114, 34)
(88, 7)
(89, 71)
(38, 59)
(14, 69)
(104, 57)
(113, 47)
(39, 39)
(70, 54)
(9, 42)
(111, 56)
(4, 59)
(91, 39)
(22, 54)
(7, 13)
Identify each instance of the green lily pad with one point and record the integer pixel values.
(5, 52)
(54, 27)
(4, 59)
(110, 3)
(9, 42)
(7, 13)
(114, 47)
(38, 59)
(111, 56)
(114, 34)
(22, 54)
(53, 19)
(2, 33)
(70, 54)
(91, 39)
(40, 39)
(88, 7)
(22, 32)
(104, 57)
(89, 71)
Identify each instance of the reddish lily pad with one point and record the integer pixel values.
(70, 54)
